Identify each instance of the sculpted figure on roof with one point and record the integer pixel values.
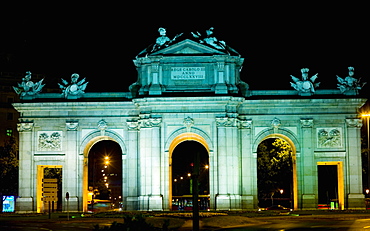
(74, 88)
(27, 87)
(306, 85)
(350, 84)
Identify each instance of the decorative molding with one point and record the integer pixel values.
(49, 141)
(25, 126)
(306, 123)
(72, 125)
(354, 123)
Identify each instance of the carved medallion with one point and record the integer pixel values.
(275, 123)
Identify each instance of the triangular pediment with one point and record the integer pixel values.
(188, 47)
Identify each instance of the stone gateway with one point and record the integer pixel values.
(189, 89)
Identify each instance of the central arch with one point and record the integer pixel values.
(187, 136)
(292, 141)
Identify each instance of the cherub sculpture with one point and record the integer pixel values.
(305, 85)
(350, 84)
(74, 88)
(27, 87)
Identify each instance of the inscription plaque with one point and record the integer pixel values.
(188, 73)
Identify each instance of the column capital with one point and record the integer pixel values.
(245, 123)
(132, 125)
(306, 123)
(226, 122)
(72, 125)
(25, 126)
(354, 123)
(150, 122)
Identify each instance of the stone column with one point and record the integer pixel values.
(70, 170)
(228, 196)
(131, 174)
(353, 186)
(150, 167)
(307, 167)
(248, 165)
(27, 186)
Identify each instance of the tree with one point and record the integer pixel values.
(274, 164)
(8, 170)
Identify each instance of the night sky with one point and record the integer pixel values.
(99, 41)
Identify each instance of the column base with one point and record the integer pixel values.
(132, 203)
(151, 203)
(309, 202)
(24, 205)
(247, 202)
(228, 202)
(356, 201)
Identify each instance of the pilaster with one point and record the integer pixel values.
(26, 201)
(228, 196)
(307, 179)
(150, 167)
(248, 165)
(354, 172)
(131, 173)
(71, 179)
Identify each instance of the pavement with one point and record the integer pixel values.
(233, 219)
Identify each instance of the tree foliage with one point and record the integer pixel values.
(8, 168)
(274, 164)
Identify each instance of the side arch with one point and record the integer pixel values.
(289, 137)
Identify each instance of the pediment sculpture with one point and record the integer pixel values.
(350, 85)
(306, 86)
(211, 40)
(161, 42)
(74, 88)
(27, 87)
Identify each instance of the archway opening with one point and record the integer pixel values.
(275, 173)
(104, 176)
(183, 164)
(330, 185)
